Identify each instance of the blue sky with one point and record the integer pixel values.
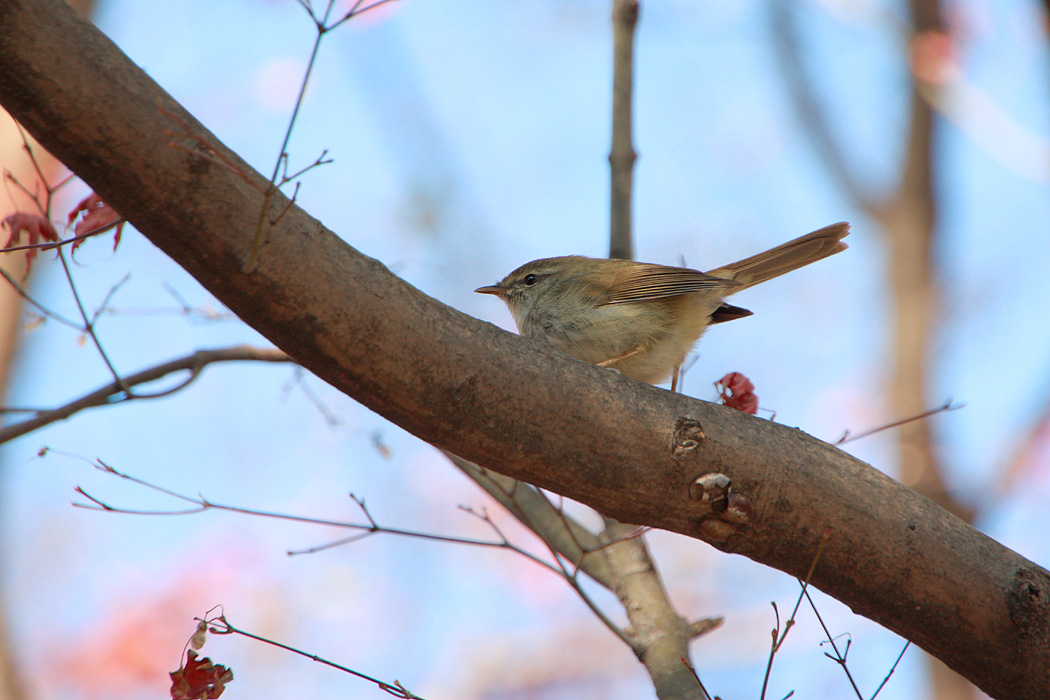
(469, 138)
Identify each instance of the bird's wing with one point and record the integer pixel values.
(644, 281)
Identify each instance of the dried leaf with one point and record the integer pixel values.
(38, 228)
(199, 679)
(97, 215)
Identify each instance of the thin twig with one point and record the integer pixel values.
(273, 188)
(105, 396)
(948, 405)
(220, 625)
(564, 537)
(45, 207)
(109, 296)
(276, 181)
(50, 245)
(89, 328)
(201, 504)
(778, 637)
(298, 380)
(42, 309)
(484, 517)
(357, 10)
(688, 665)
(321, 160)
(184, 309)
(839, 657)
(526, 503)
(892, 669)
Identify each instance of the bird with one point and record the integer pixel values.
(642, 319)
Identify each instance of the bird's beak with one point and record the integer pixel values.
(492, 289)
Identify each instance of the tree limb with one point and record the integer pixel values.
(628, 450)
(658, 635)
(621, 154)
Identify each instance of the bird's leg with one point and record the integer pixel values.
(613, 360)
(674, 378)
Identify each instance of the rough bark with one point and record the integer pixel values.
(629, 450)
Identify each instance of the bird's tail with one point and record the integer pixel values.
(785, 258)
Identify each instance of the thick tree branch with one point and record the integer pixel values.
(658, 635)
(626, 449)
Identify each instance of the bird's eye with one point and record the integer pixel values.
(529, 280)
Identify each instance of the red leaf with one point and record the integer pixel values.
(98, 215)
(199, 680)
(38, 229)
(737, 391)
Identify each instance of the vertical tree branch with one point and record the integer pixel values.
(910, 222)
(659, 635)
(909, 219)
(813, 119)
(622, 155)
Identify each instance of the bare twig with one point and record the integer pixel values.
(54, 315)
(115, 392)
(948, 405)
(43, 205)
(778, 636)
(688, 665)
(892, 669)
(50, 245)
(357, 10)
(219, 625)
(298, 379)
(184, 308)
(109, 296)
(839, 657)
(200, 504)
(288, 177)
(558, 531)
(565, 538)
(321, 22)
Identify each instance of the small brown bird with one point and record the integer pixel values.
(638, 318)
